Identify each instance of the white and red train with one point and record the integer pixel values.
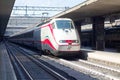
(57, 36)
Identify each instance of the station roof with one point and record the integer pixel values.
(91, 8)
(5, 11)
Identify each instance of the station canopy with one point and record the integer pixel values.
(91, 8)
(5, 11)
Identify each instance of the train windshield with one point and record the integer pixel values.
(64, 24)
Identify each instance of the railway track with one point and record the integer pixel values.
(28, 67)
(96, 70)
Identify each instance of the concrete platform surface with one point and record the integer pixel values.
(6, 68)
(107, 55)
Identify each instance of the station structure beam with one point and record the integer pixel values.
(78, 26)
(98, 38)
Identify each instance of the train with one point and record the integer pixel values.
(58, 37)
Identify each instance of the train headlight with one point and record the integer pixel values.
(69, 41)
(76, 41)
(62, 41)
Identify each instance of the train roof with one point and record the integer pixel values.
(51, 20)
(24, 31)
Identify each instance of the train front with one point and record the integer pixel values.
(67, 38)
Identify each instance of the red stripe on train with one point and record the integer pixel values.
(47, 41)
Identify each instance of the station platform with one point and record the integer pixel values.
(6, 68)
(108, 55)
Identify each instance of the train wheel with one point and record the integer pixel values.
(83, 55)
(46, 52)
(41, 52)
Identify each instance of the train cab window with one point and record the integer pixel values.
(64, 24)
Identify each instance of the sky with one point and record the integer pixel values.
(51, 3)
(47, 3)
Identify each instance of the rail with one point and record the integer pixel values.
(55, 73)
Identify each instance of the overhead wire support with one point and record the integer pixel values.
(35, 10)
(38, 8)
